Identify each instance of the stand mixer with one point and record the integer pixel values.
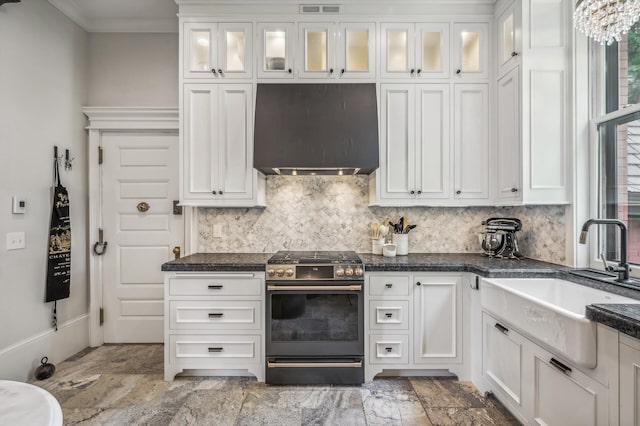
(499, 239)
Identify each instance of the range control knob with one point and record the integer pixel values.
(289, 272)
(339, 271)
(271, 272)
(280, 272)
(358, 271)
(349, 272)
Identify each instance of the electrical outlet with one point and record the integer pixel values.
(16, 241)
(217, 231)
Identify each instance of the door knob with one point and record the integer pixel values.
(143, 207)
(176, 252)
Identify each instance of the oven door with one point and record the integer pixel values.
(315, 319)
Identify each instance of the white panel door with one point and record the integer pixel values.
(437, 320)
(508, 138)
(316, 50)
(432, 50)
(397, 59)
(140, 167)
(398, 157)
(433, 143)
(471, 48)
(235, 50)
(276, 50)
(471, 141)
(200, 45)
(355, 50)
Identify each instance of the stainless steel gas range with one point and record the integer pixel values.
(315, 318)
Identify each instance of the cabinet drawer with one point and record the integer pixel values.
(396, 285)
(388, 349)
(216, 315)
(389, 315)
(223, 285)
(206, 346)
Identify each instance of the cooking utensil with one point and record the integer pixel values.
(383, 230)
(375, 228)
(405, 223)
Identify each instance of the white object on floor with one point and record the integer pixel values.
(25, 404)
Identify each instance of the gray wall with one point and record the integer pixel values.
(43, 88)
(133, 70)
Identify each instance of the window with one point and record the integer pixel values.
(619, 147)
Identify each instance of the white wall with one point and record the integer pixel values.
(133, 70)
(43, 58)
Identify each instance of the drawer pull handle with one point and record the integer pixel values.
(388, 285)
(215, 349)
(560, 366)
(216, 315)
(215, 287)
(502, 328)
(388, 349)
(389, 315)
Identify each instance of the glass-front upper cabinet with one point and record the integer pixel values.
(509, 38)
(276, 50)
(470, 50)
(344, 50)
(415, 50)
(217, 50)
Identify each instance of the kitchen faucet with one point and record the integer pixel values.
(623, 266)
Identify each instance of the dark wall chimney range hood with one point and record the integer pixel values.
(316, 129)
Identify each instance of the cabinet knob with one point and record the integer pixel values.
(458, 71)
(418, 283)
(412, 71)
(342, 71)
(389, 285)
(330, 70)
(419, 70)
(213, 70)
(412, 192)
(214, 192)
(289, 70)
(220, 71)
(220, 192)
(419, 192)
(514, 189)
(458, 192)
(514, 53)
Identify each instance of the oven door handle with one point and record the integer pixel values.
(357, 364)
(314, 287)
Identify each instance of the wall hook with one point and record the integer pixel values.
(67, 160)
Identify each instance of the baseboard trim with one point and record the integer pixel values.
(18, 361)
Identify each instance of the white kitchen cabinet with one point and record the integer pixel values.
(411, 326)
(217, 50)
(415, 154)
(214, 321)
(509, 46)
(438, 325)
(217, 144)
(629, 381)
(276, 47)
(471, 141)
(415, 50)
(509, 162)
(470, 50)
(538, 80)
(336, 50)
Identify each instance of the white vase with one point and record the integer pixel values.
(402, 243)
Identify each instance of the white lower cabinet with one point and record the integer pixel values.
(629, 381)
(413, 321)
(540, 388)
(214, 321)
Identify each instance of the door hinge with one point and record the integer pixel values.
(101, 316)
(100, 158)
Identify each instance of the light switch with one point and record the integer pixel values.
(18, 205)
(16, 241)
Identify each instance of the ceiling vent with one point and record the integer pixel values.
(319, 9)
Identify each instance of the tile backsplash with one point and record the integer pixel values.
(332, 213)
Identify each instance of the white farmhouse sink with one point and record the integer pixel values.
(551, 311)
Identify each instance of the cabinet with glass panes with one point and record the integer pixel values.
(336, 50)
(217, 50)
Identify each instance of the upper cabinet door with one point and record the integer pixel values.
(432, 50)
(216, 51)
(235, 56)
(470, 50)
(509, 38)
(356, 50)
(200, 50)
(275, 50)
(317, 50)
(397, 59)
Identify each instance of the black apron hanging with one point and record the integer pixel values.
(59, 261)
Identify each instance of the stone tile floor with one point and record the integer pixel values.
(123, 385)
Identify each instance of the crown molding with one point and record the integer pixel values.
(104, 118)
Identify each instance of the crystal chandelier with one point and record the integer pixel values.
(606, 21)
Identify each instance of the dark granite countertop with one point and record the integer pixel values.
(211, 262)
(623, 317)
